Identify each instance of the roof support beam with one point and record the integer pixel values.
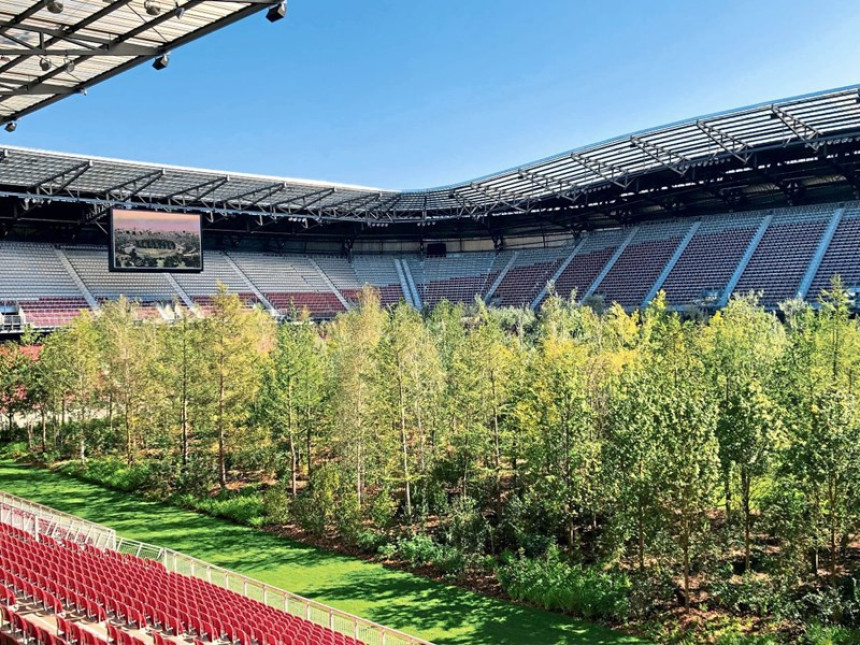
(200, 190)
(361, 200)
(69, 174)
(604, 170)
(500, 197)
(566, 190)
(138, 183)
(265, 191)
(307, 199)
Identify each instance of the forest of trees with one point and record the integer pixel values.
(678, 473)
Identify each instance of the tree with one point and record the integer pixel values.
(354, 338)
(409, 385)
(237, 342)
(632, 462)
(826, 460)
(292, 392)
(690, 466)
(750, 435)
(127, 357)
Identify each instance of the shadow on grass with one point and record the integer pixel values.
(442, 613)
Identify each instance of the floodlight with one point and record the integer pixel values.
(179, 11)
(69, 66)
(161, 62)
(277, 12)
(54, 6)
(152, 7)
(45, 64)
(11, 126)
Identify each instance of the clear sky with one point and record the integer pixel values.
(420, 93)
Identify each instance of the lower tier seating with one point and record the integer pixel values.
(60, 593)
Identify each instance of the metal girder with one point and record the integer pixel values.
(659, 154)
(202, 189)
(361, 200)
(500, 199)
(265, 191)
(801, 130)
(70, 174)
(119, 48)
(604, 170)
(139, 183)
(68, 31)
(383, 207)
(723, 138)
(122, 49)
(307, 199)
(566, 190)
(40, 89)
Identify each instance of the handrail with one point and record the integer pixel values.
(48, 521)
(366, 631)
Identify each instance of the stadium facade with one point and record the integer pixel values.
(762, 198)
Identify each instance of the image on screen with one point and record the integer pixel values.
(149, 241)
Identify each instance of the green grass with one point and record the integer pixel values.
(434, 611)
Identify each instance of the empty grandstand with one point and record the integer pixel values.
(702, 210)
(64, 581)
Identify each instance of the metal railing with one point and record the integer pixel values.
(42, 520)
(60, 525)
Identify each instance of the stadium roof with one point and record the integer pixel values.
(51, 49)
(790, 151)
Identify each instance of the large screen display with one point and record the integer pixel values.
(150, 241)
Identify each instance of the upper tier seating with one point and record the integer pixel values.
(783, 255)
(588, 262)
(842, 257)
(457, 277)
(36, 280)
(124, 600)
(640, 264)
(216, 270)
(710, 258)
(531, 271)
(289, 282)
(91, 265)
(380, 273)
(30, 271)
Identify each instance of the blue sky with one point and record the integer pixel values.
(420, 93)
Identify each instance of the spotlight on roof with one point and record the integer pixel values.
(277, 12)
(152, 7)
(11, 126)
(69, 66)
(45, 64)
(54, 6)
(179, 11)
(161, 62)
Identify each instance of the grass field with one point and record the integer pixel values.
(431, 610)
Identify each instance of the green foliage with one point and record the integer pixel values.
(589, 439)
(113, 473)
(245, 507)
(551, 583)
(276, 505)
(818, 634)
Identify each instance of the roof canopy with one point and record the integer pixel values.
(50, 49)
(786, 152)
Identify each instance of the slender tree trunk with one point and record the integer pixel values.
(746, 485)
(184, 390)
(222, 457)
(404, 448)
(44, 428)
(832, 501)
(294, 462)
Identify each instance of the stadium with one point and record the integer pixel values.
(485, 360)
